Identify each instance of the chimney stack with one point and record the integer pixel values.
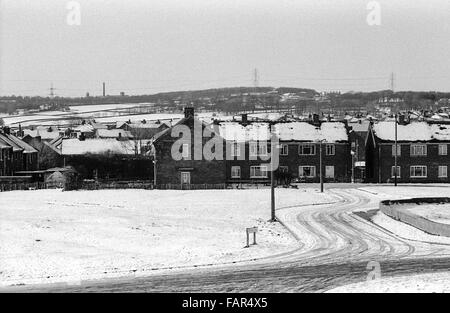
(316, 118)
(188, 112)
(104, 89)
(244, 119)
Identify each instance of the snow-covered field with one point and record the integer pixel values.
(51, 235)
(423, 283)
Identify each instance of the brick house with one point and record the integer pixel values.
(191, 169)
(108, 159)
(6, 152)
(299, 152)
(358, 136)
(422, 155)
(24, 156)
(247, 151)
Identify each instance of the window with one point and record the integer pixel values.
(418, 150)
(235, 150)
(235, 172)
(307, 171)
(443, 171)
(263, 148)
(399, 150)
(185, 151)
(258, 171)
(329, 149)
(329, 171)
(307, 149)
(1, 155)
(418, 171)
(185, 177)
(253, 147)
(283, 169)
(284, 150)
(442, 149)
(393, 171)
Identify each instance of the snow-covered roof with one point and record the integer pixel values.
(43, 132)
(416, 131)
(362, 126)
(86, 128)
(234, 131)
(302, 131)
(292, 131)
(16, 143)
(113, 133)
(97, 146)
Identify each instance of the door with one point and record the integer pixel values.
(185, 178)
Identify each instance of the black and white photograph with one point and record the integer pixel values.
(224, 150)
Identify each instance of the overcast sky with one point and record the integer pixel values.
(143, 47)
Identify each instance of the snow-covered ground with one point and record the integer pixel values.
(423, 283)
(439, 213)
(406, 231)
(407, 191)
(51, 235)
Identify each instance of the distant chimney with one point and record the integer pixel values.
(188, 112)
(244, 118)
(316, 118)
(104, 89)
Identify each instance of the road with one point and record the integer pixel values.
(335, 247)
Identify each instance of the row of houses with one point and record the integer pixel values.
(246, 152)
(192, 151)
(358, 152)
(16, 156)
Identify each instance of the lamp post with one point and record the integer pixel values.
(396, 152)
(321, 165)
(273, 149)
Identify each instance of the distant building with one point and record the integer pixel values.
(422, 155)
(24, 156)
(188, 170)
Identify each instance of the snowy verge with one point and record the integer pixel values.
(423, 283)
(406, 231)
(54, 236)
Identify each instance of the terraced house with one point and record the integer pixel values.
(24, 157)
(422, 152)
(303, 145)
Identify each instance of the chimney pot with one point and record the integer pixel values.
(244, 118)
(188, 112)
